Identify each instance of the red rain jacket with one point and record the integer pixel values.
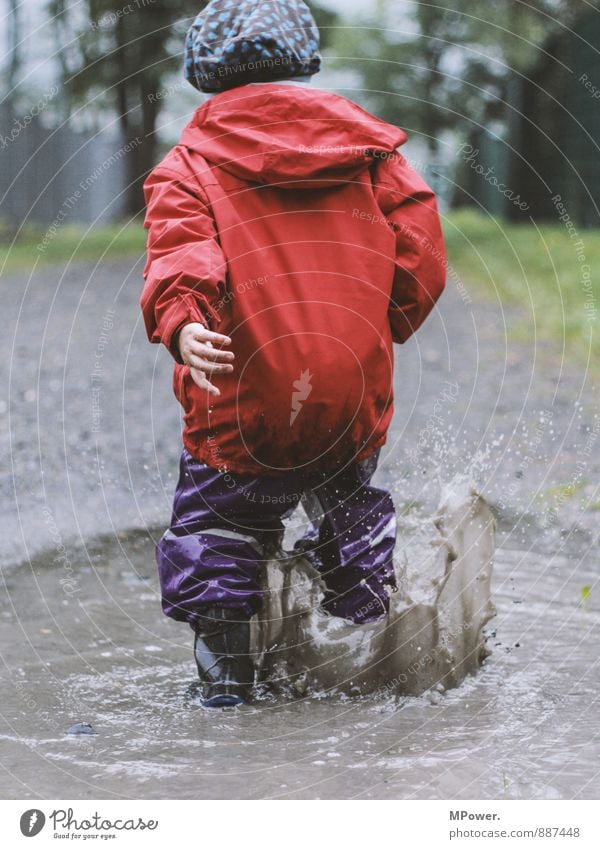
(285, 219)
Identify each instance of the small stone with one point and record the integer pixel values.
(80, 728)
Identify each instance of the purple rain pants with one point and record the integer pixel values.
(222, 525)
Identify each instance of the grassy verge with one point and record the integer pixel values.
(550, 274)
(70, 244)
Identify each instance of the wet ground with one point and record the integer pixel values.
(91, 437)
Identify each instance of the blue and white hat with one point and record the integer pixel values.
(236, 42)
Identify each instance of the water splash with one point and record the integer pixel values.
(433, 636)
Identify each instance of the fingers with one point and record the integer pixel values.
(202, 351)
(208, 366)
(207, 352)
(209, 336)
(203, 334)
(200, 379)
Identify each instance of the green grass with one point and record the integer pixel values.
(70, 244)
(563, 492)
(536, 270)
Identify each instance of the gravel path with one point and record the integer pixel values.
(90, 430)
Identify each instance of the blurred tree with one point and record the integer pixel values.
(428, 65)
(327, 21)
(117, 53)
(12, 70)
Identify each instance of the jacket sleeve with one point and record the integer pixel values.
(185, 272)
(410, 208)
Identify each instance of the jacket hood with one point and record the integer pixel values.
(278, 134)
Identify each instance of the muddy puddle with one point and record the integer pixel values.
(95, 649)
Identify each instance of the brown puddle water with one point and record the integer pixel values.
(98, 650)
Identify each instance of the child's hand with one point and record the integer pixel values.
(197, 351)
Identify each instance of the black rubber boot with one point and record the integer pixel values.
(222, 652)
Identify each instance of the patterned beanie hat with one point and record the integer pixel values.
(235, 42)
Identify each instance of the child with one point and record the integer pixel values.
(289, 246)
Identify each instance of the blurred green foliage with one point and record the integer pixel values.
(427, 65)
